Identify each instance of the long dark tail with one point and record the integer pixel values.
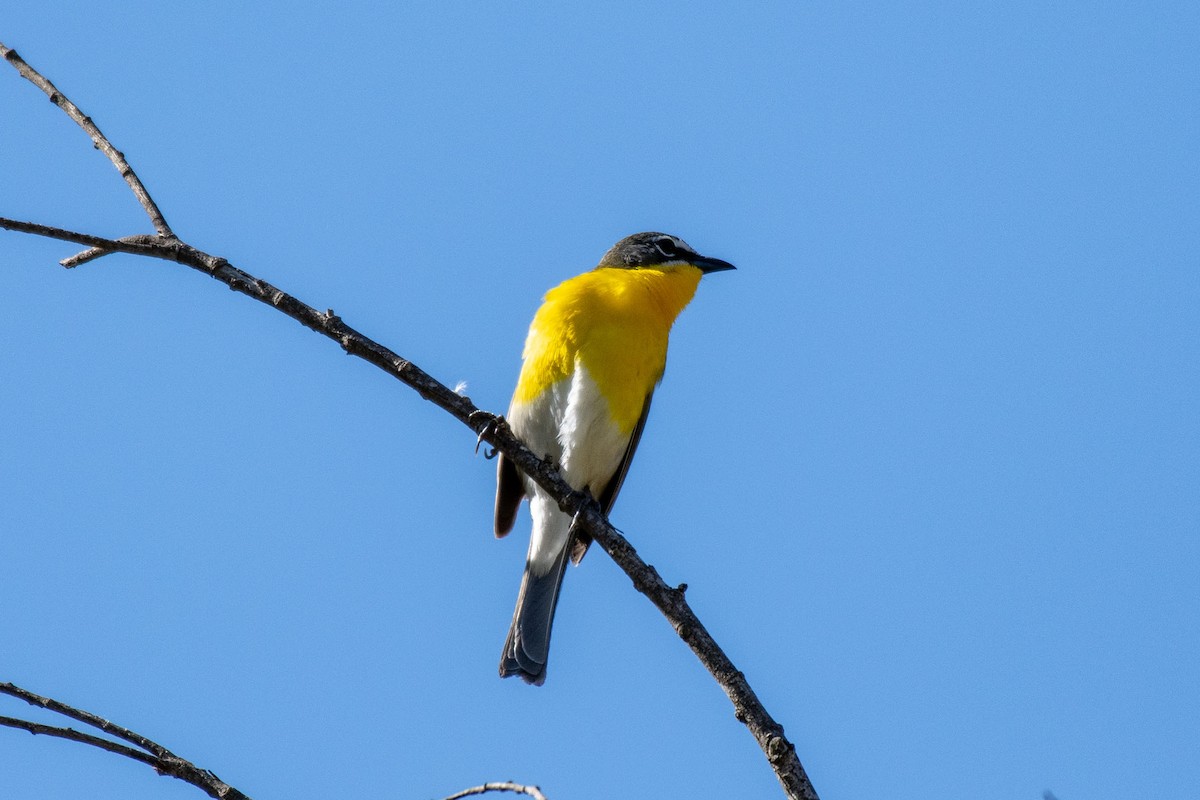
(528, 644)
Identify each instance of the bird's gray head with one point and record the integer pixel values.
(653, 249)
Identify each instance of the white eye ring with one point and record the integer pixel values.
(667, 247)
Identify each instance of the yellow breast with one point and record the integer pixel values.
(616, 323)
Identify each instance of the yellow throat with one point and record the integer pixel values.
(615, 322)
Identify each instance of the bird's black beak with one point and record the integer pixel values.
(708, 265)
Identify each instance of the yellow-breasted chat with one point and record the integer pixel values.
(596, 350)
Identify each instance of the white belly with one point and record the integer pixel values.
(571, 424)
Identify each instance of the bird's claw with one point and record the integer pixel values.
(487, 429)
(575, 518)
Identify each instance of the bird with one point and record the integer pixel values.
(595, 353)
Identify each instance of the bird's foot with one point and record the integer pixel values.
(488, 429)
(576, 518)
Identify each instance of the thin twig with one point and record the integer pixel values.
(92, 253)
(98, 139)
(75, 736)
(85, 717)
(141, 244)
(163, 760)
(780, 752)
(502, 786)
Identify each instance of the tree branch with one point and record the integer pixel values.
(140, 244)
(98, 139)
(75, 736)
(505, 786)
(85, 717)
(163, 760)
(780, 753)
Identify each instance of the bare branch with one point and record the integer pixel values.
(85, 717)
(75, 736)
(780, 752)
(163, 760)
(98, 139)
(504, 786)
(140, 244)
(92, 253)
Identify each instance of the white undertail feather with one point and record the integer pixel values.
(551, 529)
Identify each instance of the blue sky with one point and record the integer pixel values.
(929, 461)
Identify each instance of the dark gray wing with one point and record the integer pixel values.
(509, 492)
